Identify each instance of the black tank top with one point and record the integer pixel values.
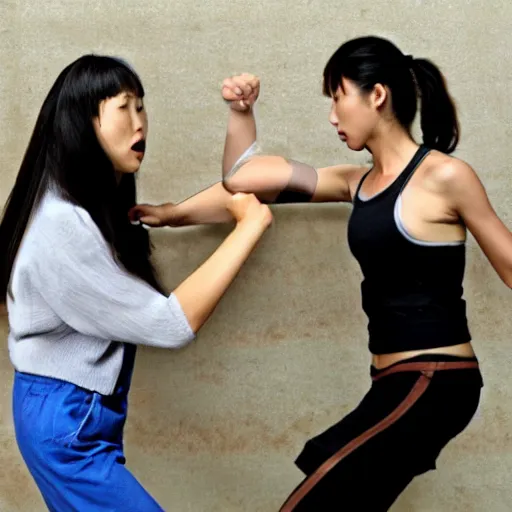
(412, 290)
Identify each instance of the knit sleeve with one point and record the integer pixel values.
(79, 279)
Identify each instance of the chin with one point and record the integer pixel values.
(131, 169)
(355, 147)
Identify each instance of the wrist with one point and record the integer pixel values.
(257, 224)
(241, 112)
(174, 215)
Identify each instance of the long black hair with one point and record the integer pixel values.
(371, 60)
(64, 152)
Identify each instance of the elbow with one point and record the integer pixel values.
(236, 181)
(188, 334)
(182, 341)
(183, 327)
(226, 183)
(231, 185)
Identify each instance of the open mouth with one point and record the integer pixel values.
(139, 146)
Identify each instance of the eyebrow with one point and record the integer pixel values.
(126, 94)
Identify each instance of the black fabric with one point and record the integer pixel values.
(291, 196)
(302, 185)
(373, 476)
(411, 293)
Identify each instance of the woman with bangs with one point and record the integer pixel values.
(81, 292)
(410, 215)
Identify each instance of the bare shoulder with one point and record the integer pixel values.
(444, 173)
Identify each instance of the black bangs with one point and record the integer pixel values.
(96, 78)
(332, 76)
(113, 76)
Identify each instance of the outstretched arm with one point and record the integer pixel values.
(83, 280)
(205, 207)
(468, 195)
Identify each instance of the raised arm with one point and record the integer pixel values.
(273, 179)
(245, 168)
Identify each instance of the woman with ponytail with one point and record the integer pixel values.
(411, 212)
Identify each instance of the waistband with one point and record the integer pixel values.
(427, 364)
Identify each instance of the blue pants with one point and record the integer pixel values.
(72, 442)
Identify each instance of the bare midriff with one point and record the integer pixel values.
(383, 360)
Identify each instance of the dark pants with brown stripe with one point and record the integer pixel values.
(413, 409)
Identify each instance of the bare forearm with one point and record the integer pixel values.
(200, 293)
(272, 179)
(240, 135)
(205, 207)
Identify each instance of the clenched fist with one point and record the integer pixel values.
(241, 91)
(247, 208)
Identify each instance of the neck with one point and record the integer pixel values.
(392, 148)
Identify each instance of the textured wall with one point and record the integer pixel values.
(215, 427)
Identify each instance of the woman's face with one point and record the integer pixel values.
(354, 114)
(121, 127)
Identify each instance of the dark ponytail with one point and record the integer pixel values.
(439, 122)
(368, 61)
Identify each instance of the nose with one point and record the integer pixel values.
(138, 121)
(333, 118)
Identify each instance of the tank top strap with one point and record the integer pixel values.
(398, 185)
(360, 184)
(408, 172)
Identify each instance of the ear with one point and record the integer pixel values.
(96, 123)
(96, 120)
(378, 96)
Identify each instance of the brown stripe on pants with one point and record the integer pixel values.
(427, 370)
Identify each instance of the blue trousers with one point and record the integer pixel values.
(72, 442)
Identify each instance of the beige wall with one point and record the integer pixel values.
(215, 427)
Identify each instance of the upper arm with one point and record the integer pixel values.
(470, 202)
(267, 176)
(334, 183)
(90, 292)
